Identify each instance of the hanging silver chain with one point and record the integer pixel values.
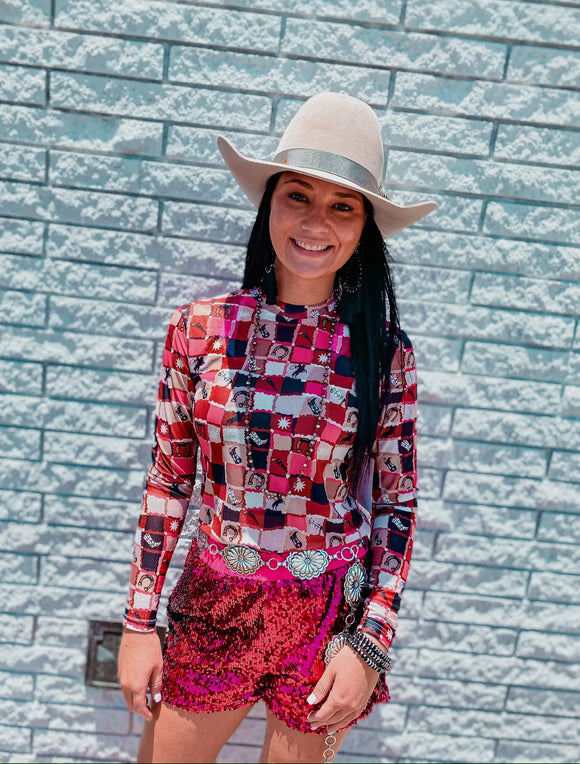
(329, 742)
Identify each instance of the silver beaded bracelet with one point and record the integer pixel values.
(372, 655)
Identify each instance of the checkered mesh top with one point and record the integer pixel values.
(201, 410)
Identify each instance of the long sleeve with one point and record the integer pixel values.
(170, 480)
(393, 498)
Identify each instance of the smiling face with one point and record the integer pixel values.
(314, 226)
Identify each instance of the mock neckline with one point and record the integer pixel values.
(292, 310)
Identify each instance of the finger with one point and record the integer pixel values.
(156, 684)
(333, 719)
(334, 726)
(139, 705)
(321, 688)
(328, 712)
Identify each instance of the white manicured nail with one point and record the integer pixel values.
(157, 697)
(311, 699)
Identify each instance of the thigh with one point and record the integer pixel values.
(284, 744)
(181, 736)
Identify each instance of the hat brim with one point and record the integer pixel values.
(252, 175)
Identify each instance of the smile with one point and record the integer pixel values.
(311, 247)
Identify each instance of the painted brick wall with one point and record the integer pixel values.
(115, 207)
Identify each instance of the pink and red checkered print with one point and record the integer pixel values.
(202, 403)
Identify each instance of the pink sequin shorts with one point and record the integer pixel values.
(234, 640)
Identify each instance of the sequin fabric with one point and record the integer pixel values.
(235, 640)
(201, 411)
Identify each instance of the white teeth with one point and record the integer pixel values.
(311, 248)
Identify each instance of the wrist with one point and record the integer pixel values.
(373, 655)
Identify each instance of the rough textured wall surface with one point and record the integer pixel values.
(115, 207)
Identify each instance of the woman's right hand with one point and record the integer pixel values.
(140, 668)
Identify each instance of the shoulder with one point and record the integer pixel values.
(224, 305)
(403, 364)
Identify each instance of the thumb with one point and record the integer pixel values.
(321, 689)
(156, 684)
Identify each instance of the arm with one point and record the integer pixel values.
(170, 480)
(394, 500)
(347, 683)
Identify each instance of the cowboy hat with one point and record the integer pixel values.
(334, 137)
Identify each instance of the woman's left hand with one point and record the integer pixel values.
(343, 691)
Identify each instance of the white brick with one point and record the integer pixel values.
(538, 144)
(73, 416)
(553, 224)
(17, 686)
(21, 236)
(498, 669)
(549, 702)
(91, 513)
(80, 574)
(538, 644)
(529, 294)
(436, 692)
(51, 128)
(19, 568)
(559, 527)
(33, 12)
(543, 753)
(466, 638)
(522, 429)
(63, 205)
(515, 361)
(360, 44)
(275, 75)
(487, 550)
(433, 576)
(16, 628)
(180, 23)
(21, 505)
(151, 100)
(544, 66)
(84, 744)
(61, 632)
(52, 601)
(478, 252)
(477, 98)
(22, 84)
(22, 163)
(494, 18)
(51, 48)
(21, 741)
(52, 689)
(489, 724)
(96, 450)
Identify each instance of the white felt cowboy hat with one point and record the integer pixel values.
(337, 138)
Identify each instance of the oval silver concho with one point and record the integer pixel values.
(334, 646)
(308, 564)
(354, 583)
(242, 559)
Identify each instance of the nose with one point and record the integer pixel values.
(315, 218)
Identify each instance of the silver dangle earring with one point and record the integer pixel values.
(348, 284)
(269, 286)
(270, 266)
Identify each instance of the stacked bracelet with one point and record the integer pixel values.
(372, 655)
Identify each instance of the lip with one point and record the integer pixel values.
(311, 252)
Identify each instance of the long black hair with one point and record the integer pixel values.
(373, 340)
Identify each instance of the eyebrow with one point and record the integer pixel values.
(341, 194)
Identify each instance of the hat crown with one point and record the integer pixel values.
(339, 124)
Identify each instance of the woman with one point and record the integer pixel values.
(298, 396)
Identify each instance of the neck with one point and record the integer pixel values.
(299, 291)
